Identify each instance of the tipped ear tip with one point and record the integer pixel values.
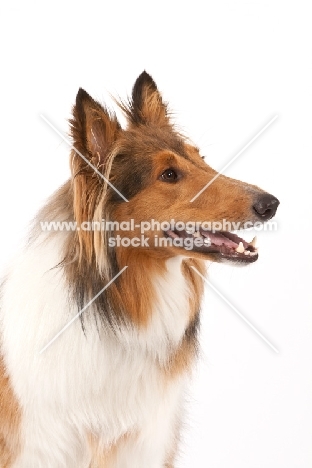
(145, 79)
(82, 95)
(144, 74)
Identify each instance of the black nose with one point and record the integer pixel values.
(265, 206)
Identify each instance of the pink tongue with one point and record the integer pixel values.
(219, 239)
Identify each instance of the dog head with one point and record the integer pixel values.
(151, 174)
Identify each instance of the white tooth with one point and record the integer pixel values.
(189, 231)
(254, 242)
(240, 248)
(252, 254)
(207, 241)
(246, 252)
(197, 234)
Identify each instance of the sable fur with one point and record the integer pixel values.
(109, 392)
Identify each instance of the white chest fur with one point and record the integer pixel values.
(88, 383)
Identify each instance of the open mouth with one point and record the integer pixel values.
(221, 243)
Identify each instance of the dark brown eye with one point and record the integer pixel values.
(169, 175)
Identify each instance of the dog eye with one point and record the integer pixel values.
(169, 175)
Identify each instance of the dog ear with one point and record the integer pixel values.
(94, 130)
(147, 106)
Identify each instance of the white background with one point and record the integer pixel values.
(226, 68)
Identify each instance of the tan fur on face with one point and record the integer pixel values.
(226, 199)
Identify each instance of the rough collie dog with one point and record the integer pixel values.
(108, 391)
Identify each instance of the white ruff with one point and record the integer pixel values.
(88, 383)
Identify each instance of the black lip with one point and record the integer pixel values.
(227, 241)
(240, 258)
